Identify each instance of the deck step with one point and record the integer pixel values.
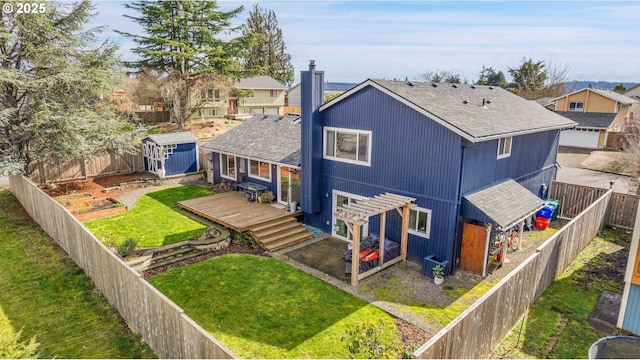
(276, 229)
(268, 224)
(280, 234)
(288, 241)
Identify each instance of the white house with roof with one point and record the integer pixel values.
(256, 95)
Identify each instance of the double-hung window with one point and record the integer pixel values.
(260, 170)
(228, 166)
(504, 147)
(420, 222)
(347, 145)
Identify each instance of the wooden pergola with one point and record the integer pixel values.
(356, 214)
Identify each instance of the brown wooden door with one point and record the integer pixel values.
(474, 247)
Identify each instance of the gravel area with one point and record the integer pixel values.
(130, 197)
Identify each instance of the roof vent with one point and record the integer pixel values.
(454, 86)
(434, 84)
(409, 83)
(489, 101)
(465, 102)
(490, 87)
(473, 86)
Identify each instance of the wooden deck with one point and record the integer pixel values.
(232, 210)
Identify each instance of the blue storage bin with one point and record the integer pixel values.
(547, 211)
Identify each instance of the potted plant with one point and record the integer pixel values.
(438, 274)
(266, 197)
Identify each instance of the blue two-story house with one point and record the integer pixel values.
(476, 155)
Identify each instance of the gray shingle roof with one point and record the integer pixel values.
(172, 138)
(273, 138)
(461, 109)
(506, 202)
(589, 120)
(262, 82)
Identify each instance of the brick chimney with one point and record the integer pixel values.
(311, 98)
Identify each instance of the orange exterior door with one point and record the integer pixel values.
(474, 249)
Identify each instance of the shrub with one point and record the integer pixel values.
(244, 239)
(12, 348)
(372, 341)
(127, 247)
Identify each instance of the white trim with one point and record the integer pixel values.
(506, 153)
(350, 131)
(235, 166)
(623, 304)
(258, 177)
(427, 234)
(334, 197)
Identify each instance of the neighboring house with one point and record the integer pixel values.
(170, 154)
(264, 149)
(330, 88)
(633, 92)
(471, 156)
(257, 95)
(598, 113)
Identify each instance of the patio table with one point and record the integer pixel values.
(252, 190)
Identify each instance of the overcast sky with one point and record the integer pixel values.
(356, 40)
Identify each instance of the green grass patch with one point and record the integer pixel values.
(556, 325)
(153, 220)
(48, 297)
(260, 307)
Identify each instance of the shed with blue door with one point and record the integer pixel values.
(170, 154)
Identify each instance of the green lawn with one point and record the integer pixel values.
(260, 307)
(46, 295)
(556, 325)
(152, 221)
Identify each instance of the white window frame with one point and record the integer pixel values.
(576, 106)
(427, 233)
(257, 176)
(503, 152)
(235, 167)
(350, 131)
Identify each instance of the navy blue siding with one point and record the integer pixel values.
(411, 155)
(243, 164)
(531, 155)
(182, 160)
(631, 321)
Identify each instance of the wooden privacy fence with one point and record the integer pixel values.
(163, 325)
(153, 117)
(575, 198)
(482, 326)
(90, 166)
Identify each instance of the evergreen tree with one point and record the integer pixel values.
(488, 76)
(529, 79)
(268, 54)
(55, 80)
(181, 41)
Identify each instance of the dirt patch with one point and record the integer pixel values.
(411, 335)
(203, 129)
